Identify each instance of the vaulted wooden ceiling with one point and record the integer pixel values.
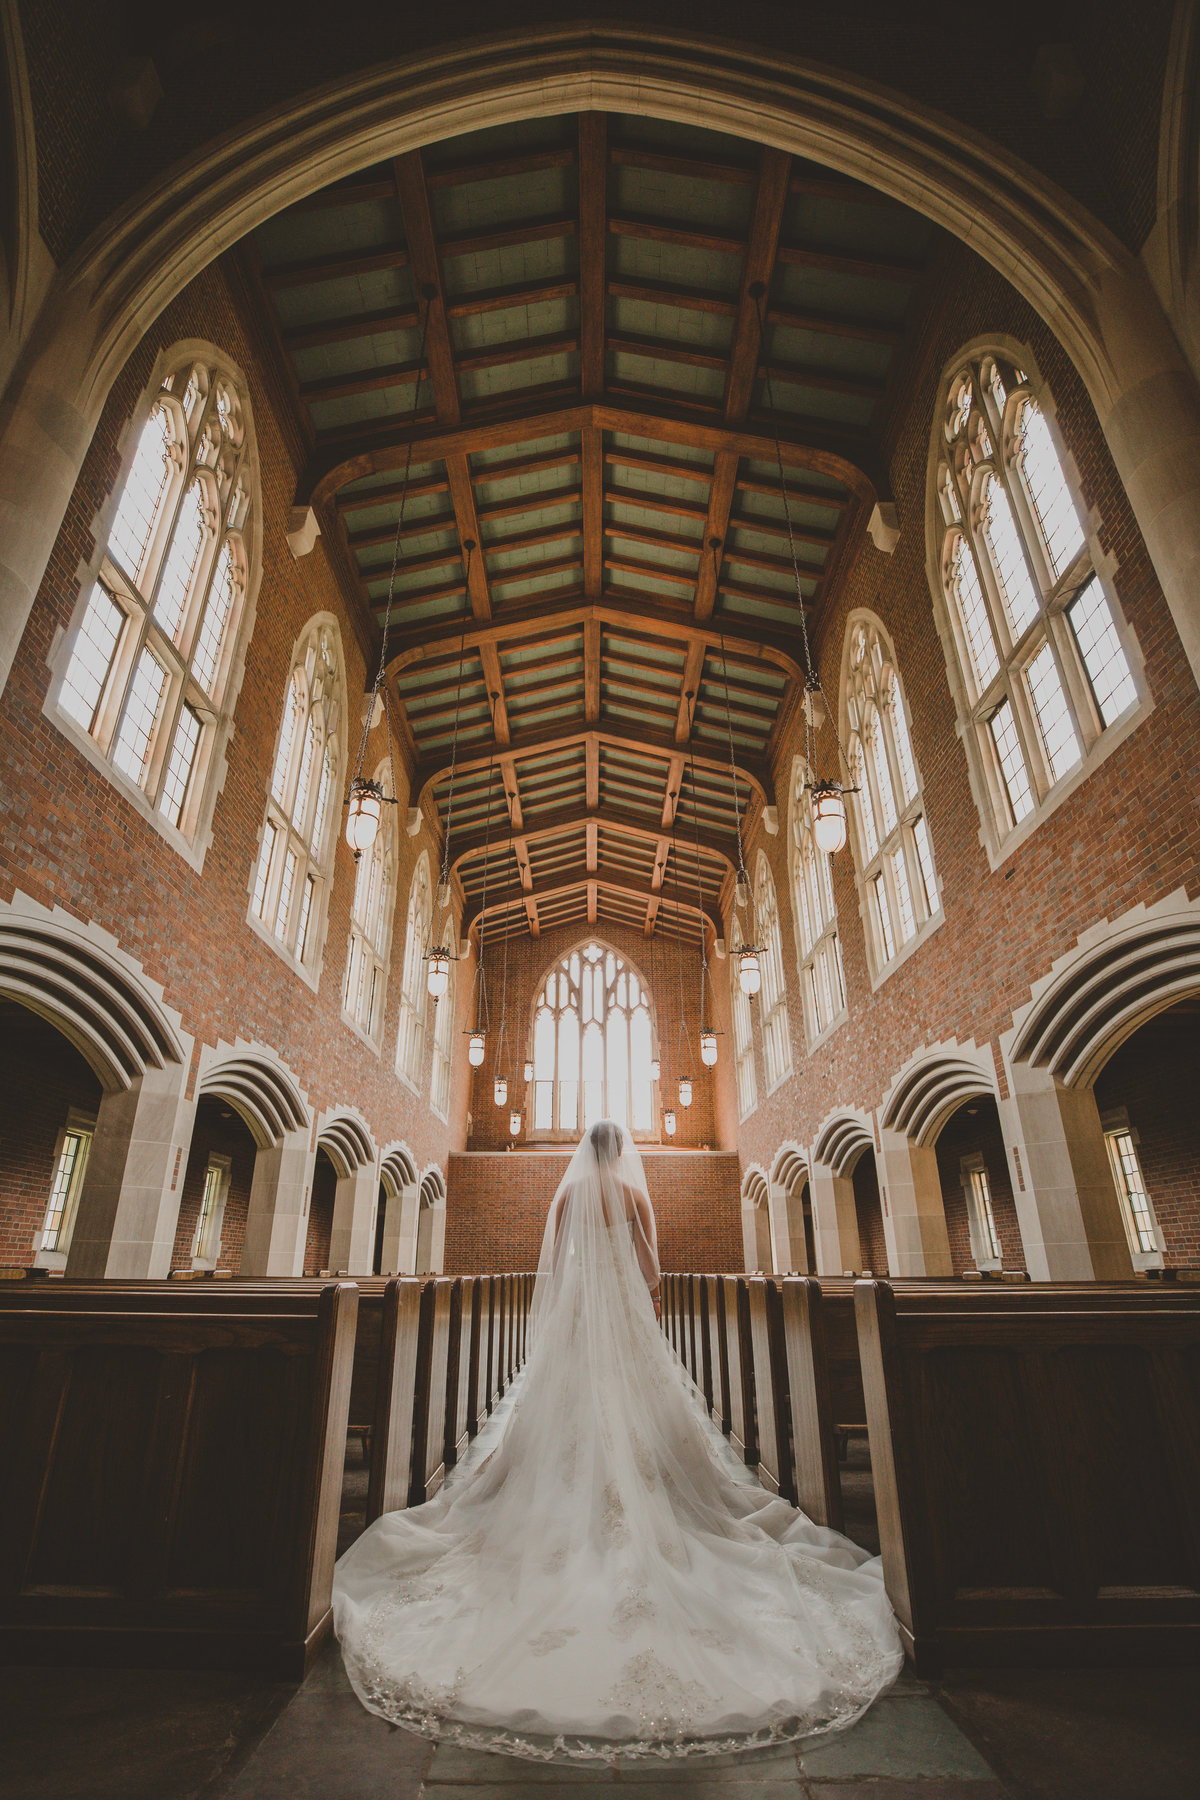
(594, 587)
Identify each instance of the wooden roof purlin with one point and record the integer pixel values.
(590, 340)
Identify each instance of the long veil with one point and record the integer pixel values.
(600, 1579)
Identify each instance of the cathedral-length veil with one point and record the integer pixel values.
(600, 1579)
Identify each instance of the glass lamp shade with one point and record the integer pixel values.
(500, 1091)
(749, 972)
(741, 893)
(669, 1122)
(829, 819)
(528, 1071)
(685, 1091)
(708, 1048)
(441, 899)
(514, 1123)
(655, 1069)
(364, 811)
(475, 1045)
(438, 973)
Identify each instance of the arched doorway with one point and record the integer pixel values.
(868, 1212)
(49, 1102)
(215, 1197)
(981, 1213)
(320, 1215)
(1146, 1096)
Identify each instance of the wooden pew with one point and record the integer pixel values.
(172, 1476)
(1036, 1468)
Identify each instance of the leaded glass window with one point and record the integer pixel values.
(414, 984)
(593, 1033)
(772, 994)
(818, 955)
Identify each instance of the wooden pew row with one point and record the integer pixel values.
(1036, 1470)
(172, 1477)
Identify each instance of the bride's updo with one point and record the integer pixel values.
(605, 1139)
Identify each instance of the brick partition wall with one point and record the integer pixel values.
(497, 1203)
(41, 1078)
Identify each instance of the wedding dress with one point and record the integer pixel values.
(600, 1578)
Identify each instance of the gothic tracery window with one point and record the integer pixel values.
(371, 914)
(147, 675)
(743, 1028)
(772, 994)
(295, 859)
(894, 851)
(592, 1038)
(414, 988)
(443, 1048)
(1041, 648)
(822, 990)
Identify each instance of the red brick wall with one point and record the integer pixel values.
(529, 962)
(42, 1077)
(217, 1132)
(1153, 1075)
(69, 838)
(975, 1131)
(1002, 929)
(497, 1203)
(868, 1211)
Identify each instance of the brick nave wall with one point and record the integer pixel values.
(497, 1203)
(1002, 928)
(530, 960)
(320, 1216)
(1153, 1076)
(42, 1077)
(69, 838)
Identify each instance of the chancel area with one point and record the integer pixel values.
(554, 569)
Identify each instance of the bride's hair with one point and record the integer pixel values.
(605, 1140)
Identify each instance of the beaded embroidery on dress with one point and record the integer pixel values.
(600, 1579)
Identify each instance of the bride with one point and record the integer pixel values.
(600, 1578)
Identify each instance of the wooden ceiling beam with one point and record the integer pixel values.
(659, 465)
(641, 501)
(592, 778)
(804, 256)
(849, 459)
(533, 231)
(689, 237)
(336, 268)
(666, 350)
(379, 535)
(355, 325)
(591, 670)
(465, 849)
(506, 299)
(663, 293)
(698, 168)
(535, 501)
(500, 168)
(381, 496)
(512, 792)
(648, 616)
(689, 687)
(529, 540)
(675, 767)
(833, 325)
(592, 842)
(820, 380)
(611, 881)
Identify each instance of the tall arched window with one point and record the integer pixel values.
(895, 855)
(819, 959)
(295, 859)
(371, 913)
(772, 995)
(149, 672)
(592, 1038)
(743, 1028)
(414, 985)
(1044, 671)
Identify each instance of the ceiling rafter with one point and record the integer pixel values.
(465, 848)
(612, 881)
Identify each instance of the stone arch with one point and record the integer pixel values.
(1093, 293)
(395, 1246)
(397, 1169)
(840, 1143)
(261, 1089)
(431, 1221)
(841, 1140)
(791, 1218)
(932, 1085)
(75, 976)
(756, 1219)
(346, 1139)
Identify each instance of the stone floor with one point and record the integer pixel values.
(85, 1734)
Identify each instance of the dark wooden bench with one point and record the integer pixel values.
(172, 1475)
(1036, 1458)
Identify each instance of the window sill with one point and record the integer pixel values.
(780, 1080)
(910, 949)
(823, 1037)
(310, 977)
(402, 1076)
(999, 849)
(192, 853)
(363, 1037)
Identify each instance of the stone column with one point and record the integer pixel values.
(914, 1214)
(835, 1222)
(437, 1236)
(400, 1231)
(129, 1206)
(782, 1249)
(352, 1238)
(1067, 1205)
(277, 1218)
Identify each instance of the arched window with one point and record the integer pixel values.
(148, 676)
(818, 957)
(894, 852)
(1044, 671)
(743, 1029)
(592, 1038)
(414, 983)
(772, 995)
(371, 913)
(295, 859)
(443, 1047)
